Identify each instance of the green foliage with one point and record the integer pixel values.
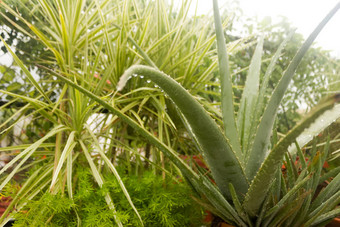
(92, 43)
(37, 213)
(160, 203)
(89, 45)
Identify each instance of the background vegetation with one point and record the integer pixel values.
(72, 138)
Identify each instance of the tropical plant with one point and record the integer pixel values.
(244, 165)
(248, 178)
(92, 43)
(160, 29)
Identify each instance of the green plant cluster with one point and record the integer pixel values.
(161, 202)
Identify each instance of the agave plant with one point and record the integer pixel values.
(245, 165)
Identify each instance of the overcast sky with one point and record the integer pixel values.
(303, 14)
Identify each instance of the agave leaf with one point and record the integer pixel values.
(169, 152)
(288, 211)
(331, 174)
(261, 182)
(300, 218)
(288, 196)
(262, 138)
(318, 126)
(238, 206)
(250, 93)
(326, 206)
(326, 217)
(266, 77)
(267, 201)
(317, 164)
(262, 92)
(221, 159)
(325, 194)
(217, 200)
(229, 120)
(301, 156)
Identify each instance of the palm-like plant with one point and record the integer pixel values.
(92, 43)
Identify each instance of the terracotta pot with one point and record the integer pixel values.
(226, 225)
(334, 223)
(208, 217)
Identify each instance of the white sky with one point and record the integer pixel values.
(303, 14)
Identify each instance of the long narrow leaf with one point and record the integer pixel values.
(250, 94)
(26, 71)
(318, 126)
(229, 120)
(70, 144)
(326, 217)
(26, 154)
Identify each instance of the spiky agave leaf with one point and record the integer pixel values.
(260, 185)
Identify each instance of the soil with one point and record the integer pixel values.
(4, 202)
